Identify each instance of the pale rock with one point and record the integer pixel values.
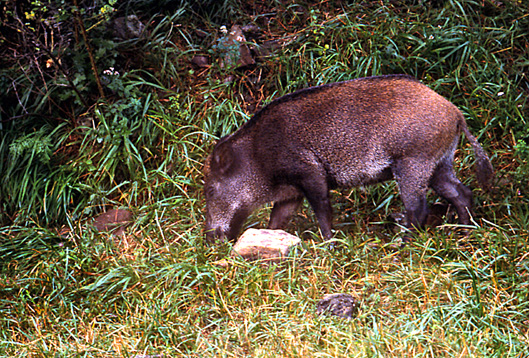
(265, 245)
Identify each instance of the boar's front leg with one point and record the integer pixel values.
(316, 191)
(414, 199)
(412, 177)
(283, 210)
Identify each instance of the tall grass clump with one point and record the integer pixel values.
(73, 146)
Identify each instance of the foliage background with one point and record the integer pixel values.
(90, 120)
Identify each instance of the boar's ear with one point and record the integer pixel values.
(223, 157)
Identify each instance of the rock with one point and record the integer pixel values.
(228, 79)
(266, 245)
(200, 61)
(338, 304)
(114, 221)
(127, 27)
(267, 48)
(237, 36)
(251, 28)
(234, 49)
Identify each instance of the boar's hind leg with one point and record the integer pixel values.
(446, 184)
(283, 211)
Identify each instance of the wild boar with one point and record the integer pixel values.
(344, 134)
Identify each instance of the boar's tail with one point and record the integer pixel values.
(484, 170)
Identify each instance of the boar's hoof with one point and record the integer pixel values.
(406, 240)
(213, 238)
(335, 245)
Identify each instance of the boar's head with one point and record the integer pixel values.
(230, 189)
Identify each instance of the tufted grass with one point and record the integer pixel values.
(157, 292)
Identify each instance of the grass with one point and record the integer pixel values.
(156, 291)
(156, 296)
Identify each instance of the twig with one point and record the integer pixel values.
(88, 49)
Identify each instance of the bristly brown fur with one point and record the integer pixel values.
(343, 134)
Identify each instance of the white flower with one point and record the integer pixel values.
(111, 72)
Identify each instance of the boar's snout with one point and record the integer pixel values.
(213, 232)
(225, 228)
(220, 233)
(213, 235)
(223, 221)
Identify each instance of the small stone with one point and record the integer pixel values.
(267, 48)
(200, 61)
(127, 28)
(228, 79)
(234, 49)
(338, 304)
(114, 220)
(222, 263)
(266, 245)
